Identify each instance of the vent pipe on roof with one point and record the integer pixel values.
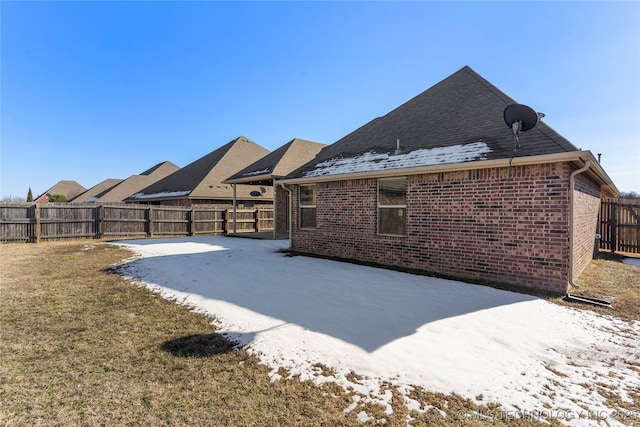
(398, 150)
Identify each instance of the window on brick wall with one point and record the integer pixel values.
(307, 206)
(392, 206)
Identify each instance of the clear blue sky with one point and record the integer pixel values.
(97, 90)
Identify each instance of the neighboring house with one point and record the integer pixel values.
(455, 200)
(200, 182)
(69, 189)
(122, 189)
(96, 190)
(276, 165)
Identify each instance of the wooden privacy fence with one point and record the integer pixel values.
(31, 222)
(620, 225)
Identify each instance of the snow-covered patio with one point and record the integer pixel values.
(529, 355)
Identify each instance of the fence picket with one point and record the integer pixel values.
(620, 225)
(35, 222)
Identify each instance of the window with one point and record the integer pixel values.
(392, 206)
(307, 206)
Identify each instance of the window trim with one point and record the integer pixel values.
(301, 207)
(381, 206)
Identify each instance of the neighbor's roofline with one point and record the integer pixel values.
(581, 157)
(254, 178)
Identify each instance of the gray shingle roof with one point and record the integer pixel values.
(462, 112)
(279, 162)
(202, 179)
(135, 183)
(67, 188)
(96, 190)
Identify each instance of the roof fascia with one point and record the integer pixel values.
(249, 179)
(578, 157)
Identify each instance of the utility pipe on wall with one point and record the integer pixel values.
(275, 210)
(571, 235)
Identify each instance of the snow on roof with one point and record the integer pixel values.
(260, 172)
(162, 194)
(372, 161)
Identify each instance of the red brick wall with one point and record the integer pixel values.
(282, 210)
(586, 205)
(501, 226)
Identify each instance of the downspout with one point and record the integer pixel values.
(275, 209)
(571, 189)
(290, 214)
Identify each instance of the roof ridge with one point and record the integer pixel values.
(459, 111)
(501, 94)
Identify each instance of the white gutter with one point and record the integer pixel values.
(571, 201)
(570, 156)
(275, 209)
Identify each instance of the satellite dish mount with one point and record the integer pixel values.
(520, 118)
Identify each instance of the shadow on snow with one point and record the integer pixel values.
(364, 306)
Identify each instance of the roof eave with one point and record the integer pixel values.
(249, 179)
(597, 172)
(571, 156)
(154, 199)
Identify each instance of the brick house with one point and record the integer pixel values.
(436, 186)
(117, 190)
(274, 166)
(200, 182)
(66, 188)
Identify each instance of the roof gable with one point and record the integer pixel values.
(69, 189)
(279, 162)
(161, 169)
(202, 178)
(95, 191)
(239, 155)
(462, 113)
(135, 183)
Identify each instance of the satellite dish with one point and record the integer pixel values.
(255, 193)
(520, 118)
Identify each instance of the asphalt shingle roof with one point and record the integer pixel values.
(202, 179)
(457, 112)
(135, 183)
(67, 188)
(96, 190)
(279, 162)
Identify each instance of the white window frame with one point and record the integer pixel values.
(301, 207)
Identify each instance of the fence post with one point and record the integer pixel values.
(99, 221)
(614, 227)
(150, 222)
(37, 230)
(224, 214)
(256, 220)
(191, 222)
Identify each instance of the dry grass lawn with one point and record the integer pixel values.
(608, 278)
(82, 346)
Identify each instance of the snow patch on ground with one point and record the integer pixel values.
(632, 261)
(300, 313)
(371, 161)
